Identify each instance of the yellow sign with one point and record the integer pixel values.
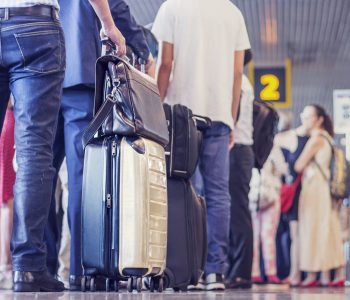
(272, 84)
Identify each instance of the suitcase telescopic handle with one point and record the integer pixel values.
(108, 47)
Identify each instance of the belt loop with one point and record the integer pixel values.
(54, 14)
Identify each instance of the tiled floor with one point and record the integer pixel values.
(258, 293)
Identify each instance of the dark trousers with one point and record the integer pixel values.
(240, 256)
(32, 63)
(75, 115)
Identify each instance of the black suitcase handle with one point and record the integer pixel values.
(202, 123)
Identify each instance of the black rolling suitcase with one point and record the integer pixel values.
(187, 225)
(187, 235)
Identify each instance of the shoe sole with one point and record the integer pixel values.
(29, 288)
(215, 287)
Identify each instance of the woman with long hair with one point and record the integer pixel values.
(321, 248)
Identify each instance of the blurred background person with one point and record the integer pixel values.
(7, 182)
(321, 247)
(292, 143)
(240, 252)
(265, 191)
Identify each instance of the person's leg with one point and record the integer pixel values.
(241, 231)
(269, 229)
(51, 230)
(294, 276)
(256, 274)
(214, 162)
(36, 58)
(77, 105)
(64, 252)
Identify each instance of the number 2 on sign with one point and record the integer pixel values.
(270, 91)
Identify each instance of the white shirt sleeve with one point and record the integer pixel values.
(242, 42)
(163, 26)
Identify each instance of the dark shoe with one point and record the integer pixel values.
(239, 283)
(35, 282)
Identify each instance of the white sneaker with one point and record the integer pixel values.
(214, 282)
(6, 281)
(200, 286)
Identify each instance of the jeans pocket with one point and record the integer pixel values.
(41, 51)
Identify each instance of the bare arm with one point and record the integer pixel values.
(103, 12)
(310, 150)
(166, 66)
(237, 84)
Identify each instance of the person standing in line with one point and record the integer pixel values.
(83, 48)
(292, 143)
(321, 245)
(203, 43)
(32, 68)
(242, 159)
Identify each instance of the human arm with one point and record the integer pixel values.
(132, 32)
(312, 147)
(165, 69)
(237, 83)
(109, 29)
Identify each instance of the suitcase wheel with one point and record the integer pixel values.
(116, 286)
(134, 283)
(92, 285)
(108, 285)
(156, 283)
(85, 283)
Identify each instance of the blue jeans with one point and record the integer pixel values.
(211, 181)
(32, 64)
(75, 115)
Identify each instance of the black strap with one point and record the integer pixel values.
(99, 118)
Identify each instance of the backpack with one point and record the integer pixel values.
(339, 181)
(265, 122)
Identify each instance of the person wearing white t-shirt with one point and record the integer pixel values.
(201, 67)
(240, 256)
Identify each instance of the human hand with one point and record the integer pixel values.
(116, 37)
(150, 66)
(232, 140)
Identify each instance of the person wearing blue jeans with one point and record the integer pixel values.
(83, 49)
(207, 79)
(211, 181)
(32, 65)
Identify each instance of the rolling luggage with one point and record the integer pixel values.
(187, 235)
(124, 211)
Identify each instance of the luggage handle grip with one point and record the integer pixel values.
(202, 122)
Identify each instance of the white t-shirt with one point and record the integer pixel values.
(244, 126)
(205, 35)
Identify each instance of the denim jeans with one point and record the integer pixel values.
(75, 115)
(32, 64)
(211, 181)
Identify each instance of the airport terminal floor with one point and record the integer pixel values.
(269, 292)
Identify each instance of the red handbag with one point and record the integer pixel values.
(288, 193)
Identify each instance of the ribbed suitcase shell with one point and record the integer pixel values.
(124, 208)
